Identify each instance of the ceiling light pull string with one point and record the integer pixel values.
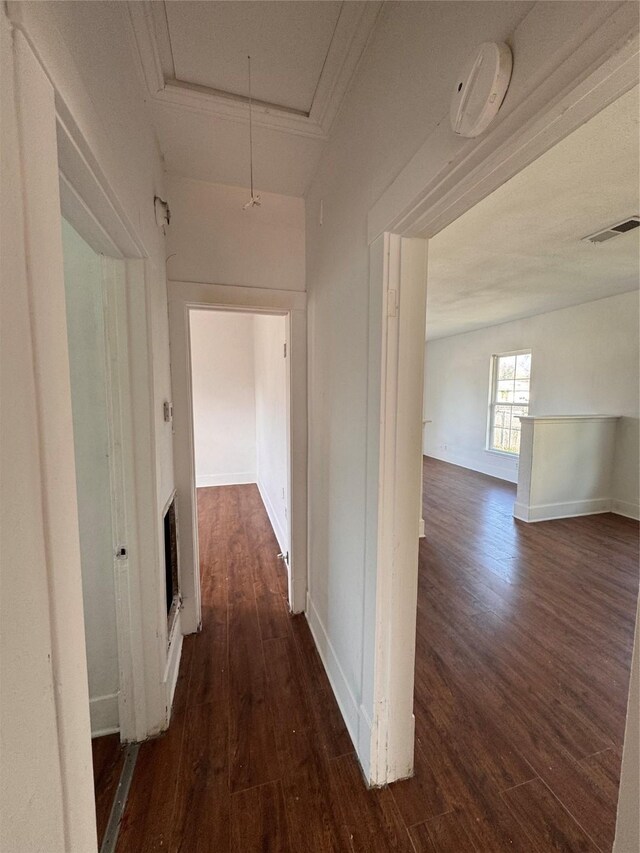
(255, 199)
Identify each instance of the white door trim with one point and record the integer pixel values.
(131, 688)
(428, 194)
(183, 297)
(398, 276)
(59, 150)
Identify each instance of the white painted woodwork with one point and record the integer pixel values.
(91, 437)
(192, 59)
(566, 466)
(627, 825)
(289, 44)
(68, 810)
(187, 296)
(398, 529)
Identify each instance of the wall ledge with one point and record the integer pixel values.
(556, 419)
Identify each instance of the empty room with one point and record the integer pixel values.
(529, 565)
(319, 426)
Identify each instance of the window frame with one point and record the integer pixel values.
(493, 384)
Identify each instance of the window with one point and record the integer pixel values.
(510, 377)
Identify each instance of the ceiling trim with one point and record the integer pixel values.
(352, 33)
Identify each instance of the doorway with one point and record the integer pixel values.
(487, 602)
(262, 306)
(241, 400)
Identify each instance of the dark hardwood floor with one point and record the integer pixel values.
(108, 759)
(523, 656)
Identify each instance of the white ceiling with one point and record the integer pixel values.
(288, 42)
(193, 57)
(519, 252)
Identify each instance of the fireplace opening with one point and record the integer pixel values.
(171, 561)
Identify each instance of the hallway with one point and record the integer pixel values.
(257, 756)
(523, 655)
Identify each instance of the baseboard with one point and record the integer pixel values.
(503, 470)
(273, 518)
(626, 508)
(174, 654)
(203, 481)
(568, 509)
(357, 722)
(103, 712)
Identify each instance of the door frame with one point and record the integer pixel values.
(183, 298)
(430, 192)
(57, 155)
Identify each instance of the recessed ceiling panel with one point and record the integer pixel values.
(288, 43)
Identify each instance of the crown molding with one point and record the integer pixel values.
(352, 33)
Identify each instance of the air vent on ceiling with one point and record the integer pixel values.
(614, 230)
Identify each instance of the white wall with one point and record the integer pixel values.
(272, 421)
(87, 365)
(84, 51)
(224, 401)
(240, 414)
(584, 361)
(31, 791)
(212, 239)
(396, 103)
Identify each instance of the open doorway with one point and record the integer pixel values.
(100, 503)
(240, 394)
(528, 569)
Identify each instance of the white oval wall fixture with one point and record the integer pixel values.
(480, 88)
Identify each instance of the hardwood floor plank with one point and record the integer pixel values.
(252, 749)
(485, 830)
(589, 790)
(259, 820)
(546, 822)
(147, 823)
(371, 817)
(315, 821)
(202, 811)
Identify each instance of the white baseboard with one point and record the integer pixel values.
(103, 711)
(500, 468)
(355, 717)
(172, 669)
(203, 481)
(273, 518)
(569, 509)
(626, 508)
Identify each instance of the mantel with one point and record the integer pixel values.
(561, 418)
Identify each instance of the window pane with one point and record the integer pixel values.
(523, 366)
(502, 416)
(500, 439)
(506, 366)
(516, 411)
(514, 441)
(521, 393)
(504, 391)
